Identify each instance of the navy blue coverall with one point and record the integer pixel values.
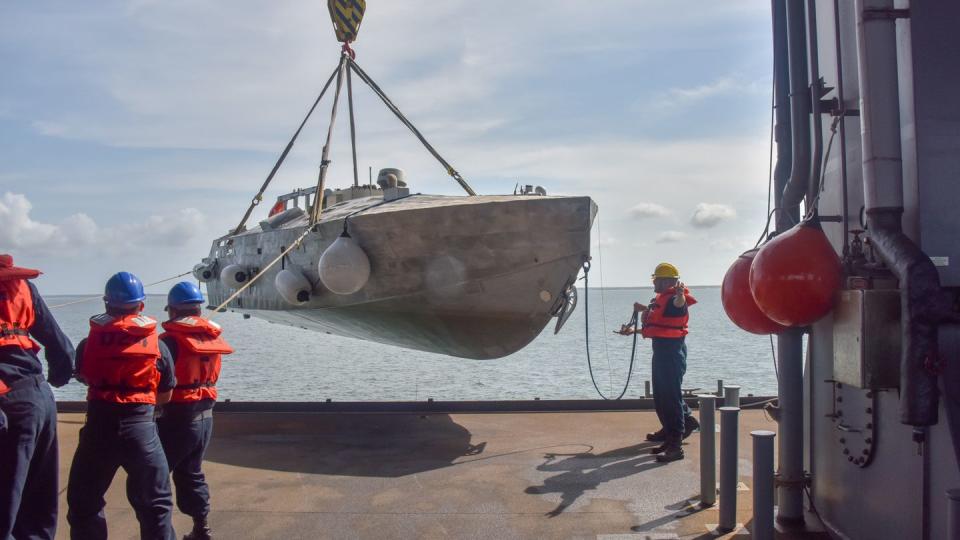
(121, 435)
(29, 456)
(185, 430)
(669, 366)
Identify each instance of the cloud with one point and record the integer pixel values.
(703, 91)
(20, 232)
(669, 237)
(687, 96)
(708, 215)
(605, 241)
(648, 210)
(16, 227)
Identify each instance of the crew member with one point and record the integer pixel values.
(664, 320)
(128, 371)
(187, 421)
(28, 413)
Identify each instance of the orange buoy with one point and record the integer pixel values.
(795, 277)
(738, 301)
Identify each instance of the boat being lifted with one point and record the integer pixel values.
(475, 276)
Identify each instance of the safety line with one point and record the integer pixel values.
(262, 272)
(325, 155)
(403, 119)
(99, 297)
(633, 322)
(283, 156)
(603, 305)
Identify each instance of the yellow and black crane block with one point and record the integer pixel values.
(346, 16)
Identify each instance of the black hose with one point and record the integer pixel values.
(586, 317)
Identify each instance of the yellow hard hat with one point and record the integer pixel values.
(666, 270)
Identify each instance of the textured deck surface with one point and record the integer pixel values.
(497, 475)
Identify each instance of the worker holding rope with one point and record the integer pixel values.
(665, 320)
(129, 372)
(29, 461)
(186, 424)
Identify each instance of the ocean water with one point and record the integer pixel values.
(280, 363)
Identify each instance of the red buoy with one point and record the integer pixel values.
(795, 277)
(738, 301)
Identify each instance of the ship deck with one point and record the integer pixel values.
(437, 475)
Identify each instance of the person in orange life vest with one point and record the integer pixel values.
(664, 321)
(128, 371)
(29, 457)
(187, 421)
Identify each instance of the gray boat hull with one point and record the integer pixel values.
(472, 277)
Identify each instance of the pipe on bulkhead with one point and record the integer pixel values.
(814, 182)
(923, 304)
(800, 106)
(793, 156)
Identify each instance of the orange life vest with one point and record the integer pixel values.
(120, 359)
(658, 325)
(16, 314)
(199, 351)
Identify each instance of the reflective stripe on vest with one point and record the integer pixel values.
(120, 359)
(200, 349)
(658, 325)
(16, 315)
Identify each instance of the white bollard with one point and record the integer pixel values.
(731, 396)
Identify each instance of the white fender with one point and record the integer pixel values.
(293, 286)
(234, 276)
(344, 266)
(203, 272)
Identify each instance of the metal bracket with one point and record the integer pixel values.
(832, 107)
(885, 14)
(804, 482)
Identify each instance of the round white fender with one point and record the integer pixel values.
(344, 266)
(293, 286)
(203, 272)
(234, 276)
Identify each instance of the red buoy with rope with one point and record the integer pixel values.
(738, 300)
(795, 277)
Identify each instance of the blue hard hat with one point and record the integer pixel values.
(184, 293)
(123, 289)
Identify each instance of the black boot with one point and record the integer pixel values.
(657, 436)
(672, 451)
(201, 530)
(690, 425)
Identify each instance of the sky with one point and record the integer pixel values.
(133, 133)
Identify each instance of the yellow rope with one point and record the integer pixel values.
(261, 273)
